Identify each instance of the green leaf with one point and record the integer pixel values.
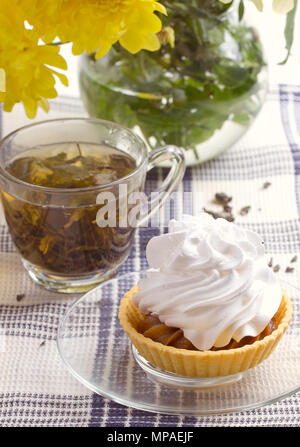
(231, 75)
(241, 9)
(242, 119)
(289, 32)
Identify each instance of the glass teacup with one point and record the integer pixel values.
(72, 193)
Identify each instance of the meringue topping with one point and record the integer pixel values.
(209, 278)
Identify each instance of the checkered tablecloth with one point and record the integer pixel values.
(35, 387)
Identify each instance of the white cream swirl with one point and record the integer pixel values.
(210, 278)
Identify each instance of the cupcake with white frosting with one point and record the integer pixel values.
(209, 304)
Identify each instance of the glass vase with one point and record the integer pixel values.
(201, 94)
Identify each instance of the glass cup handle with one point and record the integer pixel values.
(174, 177)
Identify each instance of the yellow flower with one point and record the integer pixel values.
(27, 65)
(98, 24)
(44, 15)
(92, 25)
(280, 6)
(283, 6)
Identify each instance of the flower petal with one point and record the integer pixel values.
(2, 80)
(159, 7)
(134, 43)
(258, 4)
(283, 6)
(44, 104)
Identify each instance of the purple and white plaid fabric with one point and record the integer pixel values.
(35, 387)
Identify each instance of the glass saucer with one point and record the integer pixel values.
(98, 353)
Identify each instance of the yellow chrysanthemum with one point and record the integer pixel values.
(98, 24)
(279, 6)
(92, 25)
(27, 65)
(44, 15)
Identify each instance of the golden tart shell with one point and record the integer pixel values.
(192, 363)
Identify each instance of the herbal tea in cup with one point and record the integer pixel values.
(67, 240)
(53, 176)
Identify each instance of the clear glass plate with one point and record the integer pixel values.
(98, 353)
